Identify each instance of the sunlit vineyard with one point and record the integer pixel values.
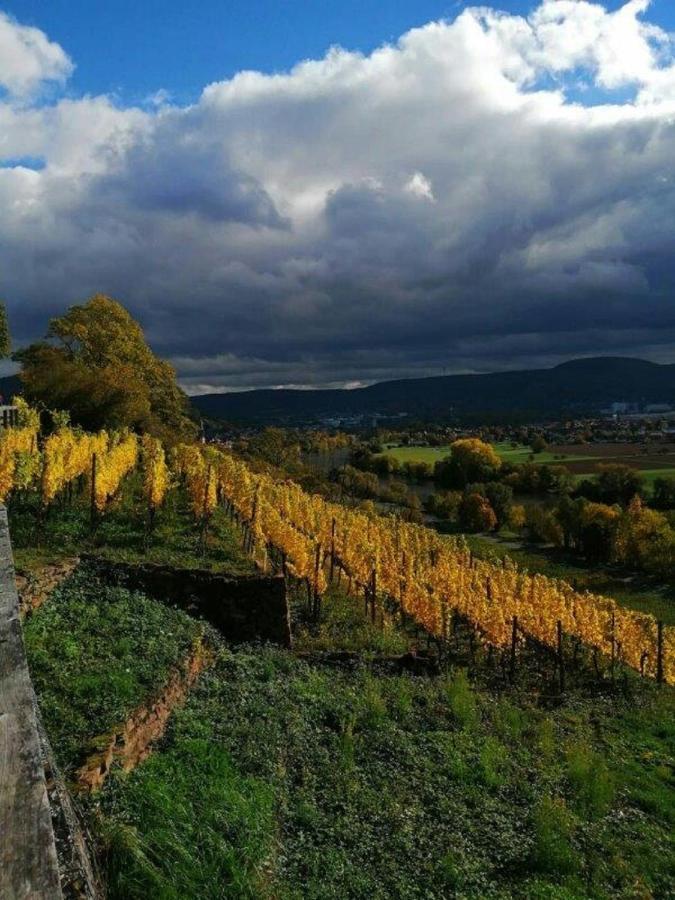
(431, 578)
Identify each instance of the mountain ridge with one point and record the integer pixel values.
(577, 386)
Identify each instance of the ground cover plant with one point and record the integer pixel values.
(283, 776)
(283, 779)
(96, 652)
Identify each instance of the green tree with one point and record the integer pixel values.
(664, 493)
(615, 483)
(97, 365)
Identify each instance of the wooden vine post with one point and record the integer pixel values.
(332, 550)
(94, 474)
(514, 645)
(317, 596)
(561, 658)
(373, 595)
(613, 647)
(659, 652)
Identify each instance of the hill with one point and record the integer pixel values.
(9, 387)
(581, 386)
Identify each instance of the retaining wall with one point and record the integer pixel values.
(28, 861)
(245, 608)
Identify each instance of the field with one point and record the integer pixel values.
(505, 451)
(582, 459)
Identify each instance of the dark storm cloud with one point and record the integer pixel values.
(427, 207)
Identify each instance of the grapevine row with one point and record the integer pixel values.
(433, 577)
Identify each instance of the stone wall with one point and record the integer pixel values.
(28, 861)
(246, 608)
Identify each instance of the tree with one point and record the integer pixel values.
(638, 531)
(542, 526)
(664, 493)
(5, 342)
(597, 530)
(470, 460)
(615, 483)
(476, 514)
(499, 496)
(97, 365)
(538, 444)
(444, 505)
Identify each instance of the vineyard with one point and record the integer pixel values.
(433, 580)
(275, 769)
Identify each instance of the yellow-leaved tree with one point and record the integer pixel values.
(97, 365)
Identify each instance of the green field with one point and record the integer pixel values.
(506, 452)
(648, 476)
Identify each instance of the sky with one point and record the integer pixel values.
(313, 193)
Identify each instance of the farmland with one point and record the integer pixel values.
(581, 459)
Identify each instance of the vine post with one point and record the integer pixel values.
(94, 475)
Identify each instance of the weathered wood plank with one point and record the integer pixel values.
(28, 863)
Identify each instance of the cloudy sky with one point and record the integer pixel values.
(311, 194)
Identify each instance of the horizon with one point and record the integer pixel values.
(316, 198)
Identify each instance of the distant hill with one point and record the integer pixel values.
(581, 386)
(9, 387)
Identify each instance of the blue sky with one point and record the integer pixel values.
(133, 48)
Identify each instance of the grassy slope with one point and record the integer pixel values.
(282, 780)
(279, 779)
(95, 653)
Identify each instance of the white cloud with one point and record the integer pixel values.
(420, 186)
(435, 203)
(28, 58)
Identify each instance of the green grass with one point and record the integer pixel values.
(95, 652)
(281, 780)
(648, 476)
(417, 454)
(635, 593)
(522, 454)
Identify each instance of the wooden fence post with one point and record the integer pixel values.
(561, 658)
(659, 652)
